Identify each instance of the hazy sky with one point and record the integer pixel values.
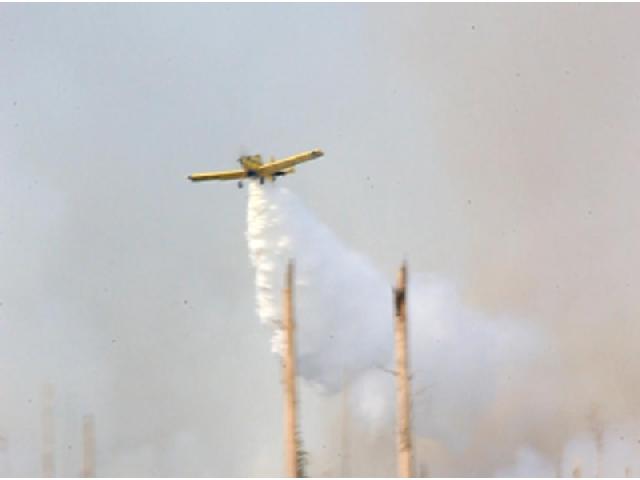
(495, 145)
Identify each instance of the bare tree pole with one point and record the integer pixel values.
(88, 447)
(289, 367)
(4, 451)
(48, 433)
(595, 422)
(344, 459)
(405, 460)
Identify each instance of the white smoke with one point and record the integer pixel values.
(345, 320)
(615, 454)
(529, 463)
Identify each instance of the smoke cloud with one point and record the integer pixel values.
(344, 327)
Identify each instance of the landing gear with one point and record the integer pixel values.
(240, 184)
(261, 180)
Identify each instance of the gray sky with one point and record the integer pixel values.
(494, 145)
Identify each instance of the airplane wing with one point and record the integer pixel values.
(278, 165)
(226, 175)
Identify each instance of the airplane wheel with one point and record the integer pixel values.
(239, 184)
(261, 180)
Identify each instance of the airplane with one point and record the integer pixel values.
(252, 167)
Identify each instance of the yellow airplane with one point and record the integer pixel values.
(252, 167)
